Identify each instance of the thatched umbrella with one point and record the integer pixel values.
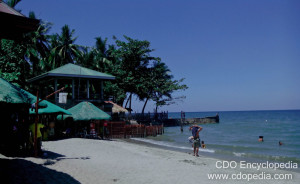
(12, 94)
(86, 111)
(117, 108)
(50, 109)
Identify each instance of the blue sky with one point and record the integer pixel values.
(234, 55)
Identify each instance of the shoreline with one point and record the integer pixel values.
(207, 154)
(77, 160)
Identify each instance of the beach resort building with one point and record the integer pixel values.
(81, 84)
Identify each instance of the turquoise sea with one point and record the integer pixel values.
(237, 135)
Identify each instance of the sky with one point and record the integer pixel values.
(235, 55)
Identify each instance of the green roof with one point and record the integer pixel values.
(50, 109)
(10, 93)
(73, 71)
(86, 111)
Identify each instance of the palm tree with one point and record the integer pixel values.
(164, 86)
(64, 50)
(101, 55)
(12, 3)
(37, 44)
(97, 57)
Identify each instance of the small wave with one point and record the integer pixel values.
(239, 154)
(161, 143)
(262, 157)
(207, 150)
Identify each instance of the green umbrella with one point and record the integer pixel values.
(86, 111)
(50, 109)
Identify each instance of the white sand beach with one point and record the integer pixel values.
(98, 161)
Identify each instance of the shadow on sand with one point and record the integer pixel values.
(52, 158)
(23, 171)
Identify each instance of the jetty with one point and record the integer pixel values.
(163, 119)
(191, 121)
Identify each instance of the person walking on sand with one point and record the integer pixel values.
(196, 144)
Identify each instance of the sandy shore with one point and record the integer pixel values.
(96, 161)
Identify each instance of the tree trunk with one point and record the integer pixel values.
(130, 97)
(145, 106)
(127, 101)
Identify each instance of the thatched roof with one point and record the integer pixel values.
(12, 94)
(50, 109)
(14, 24)
(116, 108)
(86, 111)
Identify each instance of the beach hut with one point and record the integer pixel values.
(14, 113)
(16, 108)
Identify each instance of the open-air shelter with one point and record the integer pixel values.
(15, 108)
(82, 84)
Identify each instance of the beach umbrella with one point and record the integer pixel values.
(50, 109)
(12, 94)
(86, 111)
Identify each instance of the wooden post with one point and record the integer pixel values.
(36, 124)
(88, 89)
(37, 118)
(78, 88)
(181, 126)
(55, 89)
(101, 90)
(110, 130)
(73, 89)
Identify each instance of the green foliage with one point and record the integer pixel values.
(12, 3)
(163, 86)
(132, 58)
(37, 48)
(13, 66)
(137, 72)
(63, 48)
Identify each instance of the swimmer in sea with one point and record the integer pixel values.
(203, 145)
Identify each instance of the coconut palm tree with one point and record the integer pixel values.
(12, 3)
(101, 55)
(64, 50)
(37, 44)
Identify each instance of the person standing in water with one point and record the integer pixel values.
(203, 145)
(196, 144)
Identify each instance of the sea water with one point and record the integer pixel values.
(237, 135)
